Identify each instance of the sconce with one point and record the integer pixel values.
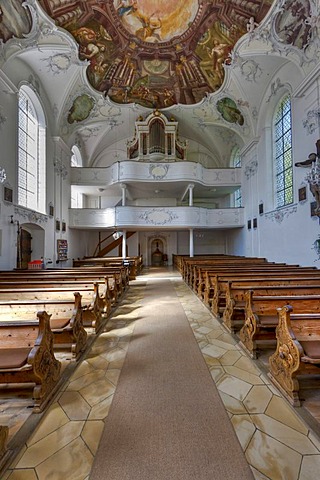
(15, 222)
(117, 235)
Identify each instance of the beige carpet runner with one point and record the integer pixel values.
(167, 421)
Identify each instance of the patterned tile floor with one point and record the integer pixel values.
(278, 443)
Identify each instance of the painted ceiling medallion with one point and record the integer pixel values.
(156, 53)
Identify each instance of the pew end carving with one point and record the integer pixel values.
(297, 352)
(31, 359)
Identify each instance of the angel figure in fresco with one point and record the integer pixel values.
(150, 25)
(125, 7)
(218, 53)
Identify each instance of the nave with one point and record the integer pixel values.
(279, 442)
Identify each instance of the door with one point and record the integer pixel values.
(24, 249)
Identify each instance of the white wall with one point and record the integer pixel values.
(286, 234)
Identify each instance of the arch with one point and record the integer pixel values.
(30, 244)
(31, 151)
(76, 157)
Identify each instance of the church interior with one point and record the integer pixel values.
(150, 134)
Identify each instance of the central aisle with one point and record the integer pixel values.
(167, 419)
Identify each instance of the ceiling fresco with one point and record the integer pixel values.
(15, 19)
(156, 53)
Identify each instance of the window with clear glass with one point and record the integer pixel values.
(76, 197)
(236, 163)
(76, 158)
(31, 152)
(283, 153)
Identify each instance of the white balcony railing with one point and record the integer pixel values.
(156, 217)
(130, 171)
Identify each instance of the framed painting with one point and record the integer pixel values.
(302, 194)
(8, 194)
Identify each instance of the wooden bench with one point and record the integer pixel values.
(26, 356)
(134, 263)
(113, 281)
(224, 263)
(95, 307)
(234, 312)
(216, 284)
(261, 319)
(297, 353)
(65, 319)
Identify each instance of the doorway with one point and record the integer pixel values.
(30, 244)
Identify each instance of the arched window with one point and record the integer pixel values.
(76, 158)
(283, 169)
(31, 151)
(76, 195)
(236, 163)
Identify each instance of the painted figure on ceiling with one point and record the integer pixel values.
(125, 64)
(125, 7)
(15, 20)
(292, 26)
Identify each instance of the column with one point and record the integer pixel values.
(124, 243)
(123, 188)
(191, 186)
(191, 242)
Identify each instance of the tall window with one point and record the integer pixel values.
(76, 159)
(31, 152)
(76, 195)
(236, 163)
(283, 153)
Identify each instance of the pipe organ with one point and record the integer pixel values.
(156, 138)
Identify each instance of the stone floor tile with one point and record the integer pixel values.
(74, 405)
(234, 387)
(232, 404)
(72, 462)
(91, 434)
(101, 390)
(310, 467)
(258, 399)
(243, 375)
(49, 445)
(284, 434)
(23, 474)
(54, 418)
(100, 410)
(244, 428)
(261, 452)
(280, 410)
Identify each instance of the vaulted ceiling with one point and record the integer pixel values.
(208, 63)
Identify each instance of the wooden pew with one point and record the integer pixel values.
(234, 312)
(95, 307)
(224, 263)
(261, 317)
(26, 356)
(113, 281)
(297, 353)
(65, 319)
(134, 263)
(216, 284)
(121, 274)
